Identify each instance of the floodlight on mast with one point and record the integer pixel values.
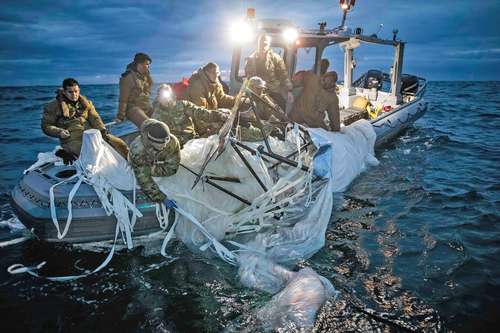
(345, 5)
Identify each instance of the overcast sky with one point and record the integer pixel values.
(42, 42)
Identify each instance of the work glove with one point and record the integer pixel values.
(68, 157)
(245, 102)
(170, 204)
(104, 134)
(64, 134)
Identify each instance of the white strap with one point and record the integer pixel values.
(222, 251)
(53, 212)
(162, 215)
(167, 239)
(19, 268)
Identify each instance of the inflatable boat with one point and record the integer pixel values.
(30, 198)
(393, 102)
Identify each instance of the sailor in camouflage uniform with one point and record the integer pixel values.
(318, 97)
(70, 114)
(186, 120)
(271, 116)
(268, 65)
(267, 110)
(155, 153)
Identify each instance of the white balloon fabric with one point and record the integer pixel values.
(288, 220)
(352, 151)
(284, 220)
(98, 155)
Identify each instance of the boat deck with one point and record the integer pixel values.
(348, 116)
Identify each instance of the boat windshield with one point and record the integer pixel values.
(305, 59)
(375, 57)
(335, 55)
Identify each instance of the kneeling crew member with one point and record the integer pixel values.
(155, 153)
(185, 120)
(69, 115)
(265, 107)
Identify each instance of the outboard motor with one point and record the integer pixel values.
(374, 79)
(409, 84)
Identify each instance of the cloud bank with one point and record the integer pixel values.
(46, 41)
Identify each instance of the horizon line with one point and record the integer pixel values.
(107, 84)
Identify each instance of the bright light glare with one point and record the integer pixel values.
(345, 6)
(290, 34)
(241, 32)
(165, 94)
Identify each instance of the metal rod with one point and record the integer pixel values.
(290, 155)
(220, 188)
(252, 171)
(225, 179)
(204, 165)
(343, 19)
(275, 156)
(275, 109)
(259, 121)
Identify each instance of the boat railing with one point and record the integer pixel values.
(422, 84)
(361, 81)
(108, 125)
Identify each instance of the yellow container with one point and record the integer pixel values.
(360, 103)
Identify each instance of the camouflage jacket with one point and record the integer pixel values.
(206, 94)
(77, 117)
(271, 69)
(264, 110)
(188, 121)
(135, 90)
(148, 163)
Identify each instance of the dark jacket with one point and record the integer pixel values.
(209, 95)
(135, 91)
(60, 114)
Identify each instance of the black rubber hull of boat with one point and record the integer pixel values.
(30, 200)
(393, 123)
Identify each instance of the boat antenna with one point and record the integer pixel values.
(375, 35)
(345, 5)
(394, 34)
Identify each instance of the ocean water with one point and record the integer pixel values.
(415, 239)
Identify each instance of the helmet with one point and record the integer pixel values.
(155, 132)
(256, 82)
